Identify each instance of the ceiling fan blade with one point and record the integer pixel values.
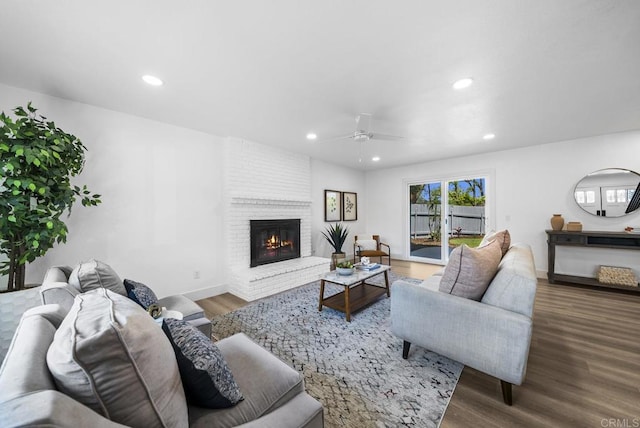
(341, 137)
(387, 137)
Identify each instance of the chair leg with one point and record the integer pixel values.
(506, 392)
(405, 349)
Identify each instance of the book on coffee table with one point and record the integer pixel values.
(370, 266)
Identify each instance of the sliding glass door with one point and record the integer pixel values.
(438, 223)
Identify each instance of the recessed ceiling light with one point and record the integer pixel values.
(375, 158)
(463, 83)
(152, 80)
(489, 136)
(311, 136)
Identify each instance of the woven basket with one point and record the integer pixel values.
(617, 276)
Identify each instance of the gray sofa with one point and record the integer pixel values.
(274, 394)
(57, 290)
(96, 357)
(492, 335)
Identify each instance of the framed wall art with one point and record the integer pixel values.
(332, 205)
(349, 206)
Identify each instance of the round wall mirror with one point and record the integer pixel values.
(611, 192)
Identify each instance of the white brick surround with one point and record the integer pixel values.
(260, 183)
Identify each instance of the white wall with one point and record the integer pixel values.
(161, 215)
(333, 177)
(530, 185)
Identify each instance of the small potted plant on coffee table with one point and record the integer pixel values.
(345, 268)
(336, 235)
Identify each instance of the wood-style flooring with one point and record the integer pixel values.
(583, 370)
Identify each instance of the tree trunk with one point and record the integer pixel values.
(16, 270)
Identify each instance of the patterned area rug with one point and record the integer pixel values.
(354, 369)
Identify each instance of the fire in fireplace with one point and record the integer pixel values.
(274, 241)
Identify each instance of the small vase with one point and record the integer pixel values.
(557, 222)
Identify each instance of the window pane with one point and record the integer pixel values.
(580, 197)
(591, 197)
(611, 196)
(622, 195)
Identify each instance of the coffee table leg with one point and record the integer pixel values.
(321, 294)
(386, 281)
(346, 303)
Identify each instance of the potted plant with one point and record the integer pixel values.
(37, 162)
(336, 235)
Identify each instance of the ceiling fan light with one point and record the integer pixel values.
(463, 83)
(375, 158)
(488, 136)
(311, 136)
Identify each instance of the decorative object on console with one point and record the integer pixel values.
(574, 226)
(332, 211)
(557, 222)
(206, 378)
(617, 276)
(349, 206)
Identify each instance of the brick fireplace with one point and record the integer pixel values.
(264, 183)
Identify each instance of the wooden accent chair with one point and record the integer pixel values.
(370, 246)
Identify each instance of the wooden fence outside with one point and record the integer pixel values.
(470, 219)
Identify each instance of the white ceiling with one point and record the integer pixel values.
(271, 71)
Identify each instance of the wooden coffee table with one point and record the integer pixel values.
(357, 293)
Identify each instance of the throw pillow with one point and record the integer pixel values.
(503, 237)
(94, 274)
(367, 244)
(470, 270)
(207, 380)
(110, 355)
(140, 293)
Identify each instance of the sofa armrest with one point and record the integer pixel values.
(59, 293)
(301, 411)
(487, 338)
(52, 409)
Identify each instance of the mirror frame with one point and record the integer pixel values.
(630, 201)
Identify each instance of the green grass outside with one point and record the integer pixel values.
(471, 241)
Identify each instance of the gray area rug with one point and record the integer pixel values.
(354, 369)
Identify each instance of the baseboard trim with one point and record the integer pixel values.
(207, 292)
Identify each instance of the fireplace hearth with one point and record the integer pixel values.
(274, 241)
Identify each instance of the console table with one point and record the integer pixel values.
(588, 239)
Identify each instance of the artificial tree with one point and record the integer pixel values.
(37, 162)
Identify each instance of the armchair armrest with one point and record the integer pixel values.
(382, 244)
(490, 339)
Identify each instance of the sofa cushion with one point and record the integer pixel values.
(206, 378)
(266, 384)
(503, 237)
(140, 293)
(111, 356)
(94, 274)
(470, 270)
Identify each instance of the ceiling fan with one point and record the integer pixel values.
(363, 131)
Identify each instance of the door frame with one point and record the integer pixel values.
(444, 179)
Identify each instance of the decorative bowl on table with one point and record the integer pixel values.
(345, 268)
(345, 271)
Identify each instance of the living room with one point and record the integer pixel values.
(167, 189)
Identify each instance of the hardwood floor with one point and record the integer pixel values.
(583, 369)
